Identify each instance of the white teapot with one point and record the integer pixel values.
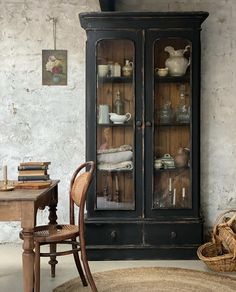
(119, 119)
(177, 64)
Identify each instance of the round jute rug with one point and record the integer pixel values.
(154, 280)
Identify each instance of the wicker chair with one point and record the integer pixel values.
(67, 234)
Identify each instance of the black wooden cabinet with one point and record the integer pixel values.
(143, 131)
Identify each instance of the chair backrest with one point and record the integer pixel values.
(79, 185)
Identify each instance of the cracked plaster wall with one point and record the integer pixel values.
(41, 122)
(47, 123)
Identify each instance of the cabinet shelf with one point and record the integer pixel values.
(121, 79)
(172, 124)
(115, 171)
(176, 169)
(173, 79)
(115, 125)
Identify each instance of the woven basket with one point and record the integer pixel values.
(212, 254)
(223, 231)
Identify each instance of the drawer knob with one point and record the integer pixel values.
(173, 235)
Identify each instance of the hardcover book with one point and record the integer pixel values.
(32, 172)
(32, 177)
(36, 163)
(32, 167)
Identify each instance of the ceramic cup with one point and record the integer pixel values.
(103, 70)
(162, 72)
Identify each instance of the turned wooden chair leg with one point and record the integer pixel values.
(87, 269)
(53, 261)
(37, 268)
(78, 265)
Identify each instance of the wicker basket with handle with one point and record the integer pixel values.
(220, 254)
(223, 232)
(212, 254)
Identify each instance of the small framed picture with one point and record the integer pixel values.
(54, 67)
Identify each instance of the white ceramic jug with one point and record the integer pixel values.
(177, 64)
(103, 114)
(127, 69)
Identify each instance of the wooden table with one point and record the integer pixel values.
(22, 205)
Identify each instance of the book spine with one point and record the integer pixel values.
(38, 163)
(31, 178)
(32, 172)
(32, 167)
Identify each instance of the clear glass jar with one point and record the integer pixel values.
(182, 111)
(166, 113)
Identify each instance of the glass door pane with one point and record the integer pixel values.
(172, 134)
(115, 125)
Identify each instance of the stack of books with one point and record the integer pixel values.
(33, 171)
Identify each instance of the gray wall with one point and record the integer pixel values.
(47, 123)
(41, 122)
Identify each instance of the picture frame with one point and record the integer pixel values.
(54, 67)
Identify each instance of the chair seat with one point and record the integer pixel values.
(54, 233)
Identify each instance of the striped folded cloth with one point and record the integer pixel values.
(115, 157)
(124, 147)
(125, 165)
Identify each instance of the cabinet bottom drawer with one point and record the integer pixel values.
(173, 233)
(113, 233)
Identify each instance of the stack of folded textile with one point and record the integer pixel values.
(115, 158)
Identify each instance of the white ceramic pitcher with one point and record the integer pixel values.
(103, 114)
(177, 64)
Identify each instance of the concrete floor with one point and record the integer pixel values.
(11, 274)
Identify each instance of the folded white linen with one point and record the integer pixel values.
(115, 157)
(124, 147)
(116, 166)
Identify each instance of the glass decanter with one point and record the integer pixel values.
(119, 104)
(166, 113)
(182, 112)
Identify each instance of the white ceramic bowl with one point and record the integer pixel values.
(162, 72)
(119, 119)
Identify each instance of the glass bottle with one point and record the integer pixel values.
(119, 105)
(182, 112)
(166, 113)
(110, 68)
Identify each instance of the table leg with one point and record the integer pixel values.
(28, 259)
(53, 207)
(53, 220)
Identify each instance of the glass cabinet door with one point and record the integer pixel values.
(172, 124)
(115, 106)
